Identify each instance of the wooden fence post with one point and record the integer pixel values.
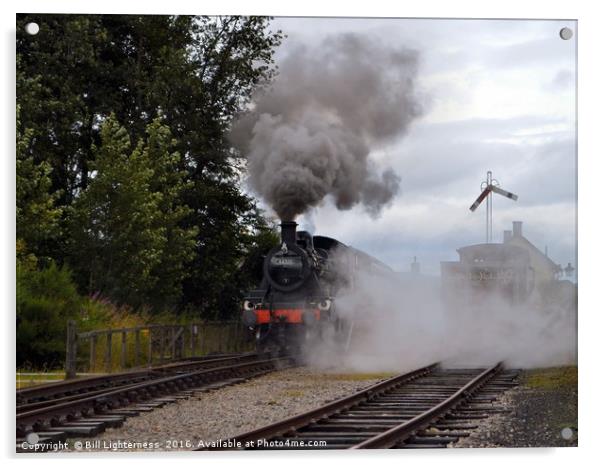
(71, 354)
(137, 348)
(192, 338)
(181, 341)
(173, 339)
(124, 341)
(150, 346)
(203, 339)
(93, 341)
(162, 346)
(108, 352)
(200, 338)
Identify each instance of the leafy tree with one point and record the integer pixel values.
(249, 273)
(37, 215)
(196, 73)
(169, 181)
(127, 221)
(46, 299)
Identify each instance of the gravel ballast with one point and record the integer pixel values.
(231, 410)
(539, 409)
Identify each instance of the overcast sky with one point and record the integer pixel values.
(498, 95)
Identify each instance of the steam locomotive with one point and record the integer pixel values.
(295, 304)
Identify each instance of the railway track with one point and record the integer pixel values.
(88, 406)
(79, 386)
(426, 408)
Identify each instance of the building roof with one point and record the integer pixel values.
(522, 241)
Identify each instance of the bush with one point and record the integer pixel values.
(46, 299)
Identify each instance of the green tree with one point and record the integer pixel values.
(169, 181)
(37, 214)
(126, 238)
(197, 74)
(257, 243)
(46, 299)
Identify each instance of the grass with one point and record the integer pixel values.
(557, 379)
(27, 379)
(552, 378)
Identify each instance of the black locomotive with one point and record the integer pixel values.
(296, 301)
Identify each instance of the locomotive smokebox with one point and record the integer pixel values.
(288, 232)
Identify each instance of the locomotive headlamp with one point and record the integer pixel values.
(324, 305)
(248, 305)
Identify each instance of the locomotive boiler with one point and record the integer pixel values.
(295, 304)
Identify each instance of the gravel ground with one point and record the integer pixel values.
(233, 410)
(542, 406)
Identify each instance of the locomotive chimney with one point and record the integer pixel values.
(288, 231)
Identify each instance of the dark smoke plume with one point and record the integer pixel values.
(311, 134)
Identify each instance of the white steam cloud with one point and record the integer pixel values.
(310, 136)
(400, 325)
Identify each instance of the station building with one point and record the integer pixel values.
(515, 269)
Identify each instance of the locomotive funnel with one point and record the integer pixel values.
(288, 232)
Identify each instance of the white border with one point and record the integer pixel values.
(589, 231)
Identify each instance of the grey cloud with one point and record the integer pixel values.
(456, 160)
(553, 175)
(545, 51)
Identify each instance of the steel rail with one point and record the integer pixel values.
(205, 362)
(404, 430)
(50, 402)
(292, 423)
(141, 391)
(52, 391)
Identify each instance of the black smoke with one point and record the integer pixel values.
(311, 134)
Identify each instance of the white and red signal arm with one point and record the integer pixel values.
(489, 189)
(505, 193)
(481, 197)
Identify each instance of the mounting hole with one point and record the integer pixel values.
(566, 433)
(32, 28)
(566, 33)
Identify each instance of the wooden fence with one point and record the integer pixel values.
(109, 350)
